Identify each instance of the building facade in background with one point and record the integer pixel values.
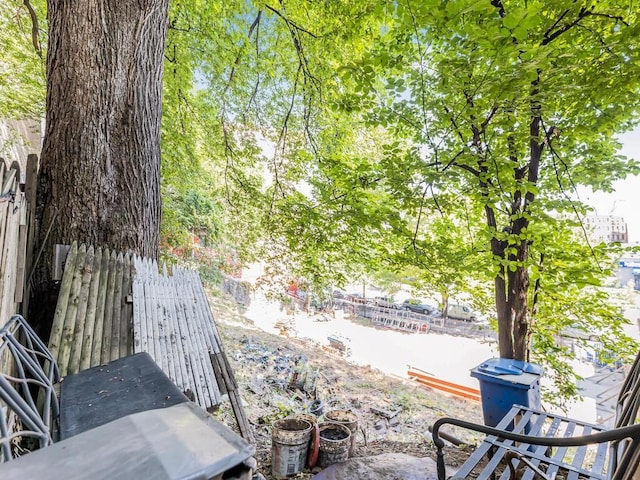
(606, 228)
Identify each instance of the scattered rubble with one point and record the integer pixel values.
(281, 375)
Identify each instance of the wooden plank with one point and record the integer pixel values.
(70, 316)
(81, 315)
(153, 324)
(211, 343)
(213, 336)
(167, 329)
(107, 323)
(147, 342)
(209, 387)
(445, 386)
(202, 314)
(161, 326)
(8, 262)
(173, 323)
(117, 309)
(224, 367)
(98, 327)
(191, 361)
(31, 178)
(127, 309)
(90, 320)
(55, 337)
(138, 313)
(236, 401)
(217, 368)
(139, 307)
(157, 326)
(173, 336)
(4, 224)
(150, 311)
(9, 183)
(182, 371)
(20, 261)
(191, 354)
(30, 192)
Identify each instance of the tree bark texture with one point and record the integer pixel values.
(511, 289)
(100, 168)
(512, 286)
(100, 174)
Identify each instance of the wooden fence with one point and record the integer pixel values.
(100, 291)
(17, 201)
(92, 320)
(172, 321)
(111, 305)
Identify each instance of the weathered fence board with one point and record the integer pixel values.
(13, 217)
(89, 324)
(111, 305)
(84, 358)
(173, 323)
(98, 328)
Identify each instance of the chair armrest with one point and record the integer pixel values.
(629, 432)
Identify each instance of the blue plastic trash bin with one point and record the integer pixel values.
(505, 382)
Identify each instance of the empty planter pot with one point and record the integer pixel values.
(289, 445)
(349, 420)
(335, 440)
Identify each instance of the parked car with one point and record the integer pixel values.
(418, 306)
(462, 312)
(385, 302)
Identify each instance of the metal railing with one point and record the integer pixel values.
(27, 396)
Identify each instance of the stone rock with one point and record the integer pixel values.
(388, 466)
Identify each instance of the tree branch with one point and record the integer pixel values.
(34, 28)
(415, 233)
(617, 18)
(555, 24)
(422, 77)
(568, 198)
(289, 21)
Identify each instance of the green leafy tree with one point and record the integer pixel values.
(347, 137)
(511, 105)
(22, 67)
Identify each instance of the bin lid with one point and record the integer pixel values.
(508, 366)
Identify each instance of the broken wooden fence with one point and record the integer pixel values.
(16, 229)
(93, 316)
(111, 305)
(173, 323)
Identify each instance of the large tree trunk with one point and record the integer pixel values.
(511, 289)
(100, 168)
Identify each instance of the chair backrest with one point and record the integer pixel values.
(28, 402)
(625, 454)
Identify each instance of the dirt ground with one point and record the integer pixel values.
(280, 375)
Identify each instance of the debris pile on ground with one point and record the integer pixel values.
(282, 375)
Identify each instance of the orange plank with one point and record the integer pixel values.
(444, 385)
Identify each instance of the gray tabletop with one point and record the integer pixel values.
(105, 393)
(177, 442)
